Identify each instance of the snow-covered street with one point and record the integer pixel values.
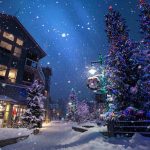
(59, 135)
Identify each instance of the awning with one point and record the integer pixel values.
(7, 99)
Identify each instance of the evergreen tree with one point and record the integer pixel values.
(72, 106)
(145, 21)
(140, 61)
(144, 82)
(119, 76)
(35, 108)
(82, 111)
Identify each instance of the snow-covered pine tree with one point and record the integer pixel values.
(144, 82)
(117, 64)
(82, 111)
(140, 61)
(35, 109)
(140, 87)
(72, 106)
(145, 21)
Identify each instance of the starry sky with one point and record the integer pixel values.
(72, 33)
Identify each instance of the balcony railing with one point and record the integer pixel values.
(41, 73)
(31, 63)
(36, 65)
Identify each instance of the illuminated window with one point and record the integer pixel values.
(8, 36)
(19, 42)
(6, 116)
(6, 45)
(12, 75)
(46, 93)
(3, 70)
(17, 52)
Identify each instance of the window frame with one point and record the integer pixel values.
(7, 37)
(3, 70)
(7, 44)
(17, 54)
(19, 40)
(10, 79)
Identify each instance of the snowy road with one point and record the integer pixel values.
(60, 136)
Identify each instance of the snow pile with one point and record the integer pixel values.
(7, 133)
(93, 140)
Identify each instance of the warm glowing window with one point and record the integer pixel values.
(8, 36)
(6, 116)
(46, 93)
(17, 51)
(12, 75)
(3, 70)
(19, 42)
(6, 45)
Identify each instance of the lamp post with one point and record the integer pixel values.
(101, 77)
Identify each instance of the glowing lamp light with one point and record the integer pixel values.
(70, 103)
(92, 71)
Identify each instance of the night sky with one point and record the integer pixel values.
(72, 33)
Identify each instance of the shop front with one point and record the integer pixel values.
(10, 112)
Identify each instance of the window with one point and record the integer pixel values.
(7, 111)
(19, 42)
(3, 70)
(6, 45)
(8, 36)
(28, 76)
(31, 63)
(12, 75)
(17, 52)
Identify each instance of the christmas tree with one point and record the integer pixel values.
(119, 77)
(145, 21)
(72, 106)
(82, 111)
(140, 60)
(144, 72)
(35, 109)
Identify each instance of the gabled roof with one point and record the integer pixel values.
(25, 31)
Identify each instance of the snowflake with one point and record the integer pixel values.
(69, 81)
(63, 35)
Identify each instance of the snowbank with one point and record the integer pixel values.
(93, 140)
(7, 133)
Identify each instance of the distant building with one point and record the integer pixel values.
(19, 67)
(47, 73)
(58, 109)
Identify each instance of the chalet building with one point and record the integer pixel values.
(19, 67)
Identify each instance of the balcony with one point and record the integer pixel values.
(31, 63)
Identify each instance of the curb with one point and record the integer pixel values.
(12, 140)
(79, 129)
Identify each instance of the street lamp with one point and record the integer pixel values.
(70, 103)
(97, 82)
(92, 71)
